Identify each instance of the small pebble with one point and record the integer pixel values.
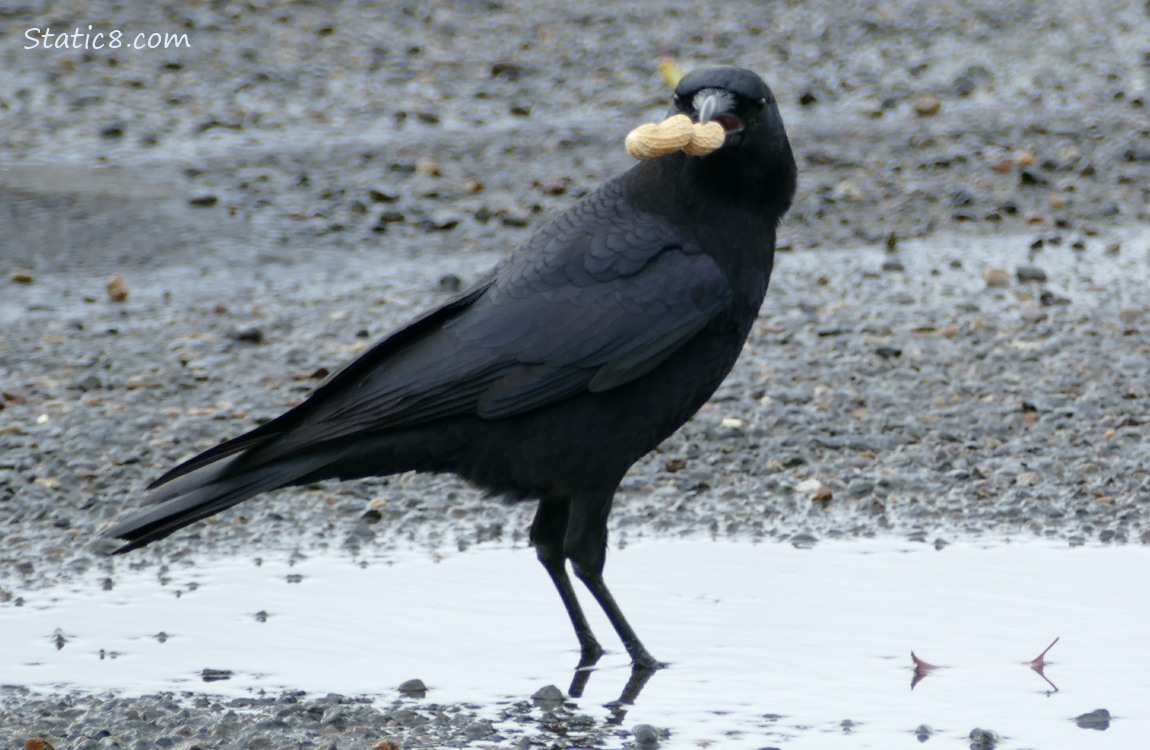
(477, 729)
(1030, 273)
(996, 277)
(38, 743)
(1029, 177)
(548, 697)
(117, 288)
(428, 167)
(1027, 479)
(247, 334)
(645, 735)
(413, 688)
(1034, 315)
(1098, 719)
(927, 105)
(333, 715)
(816, 490)
(382, 196)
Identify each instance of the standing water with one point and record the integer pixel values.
(768, 645)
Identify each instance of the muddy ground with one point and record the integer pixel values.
(955, 342)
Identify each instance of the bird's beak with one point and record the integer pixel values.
(708, 105)
(717, 105)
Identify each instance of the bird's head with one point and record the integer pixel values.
(756, 142)
(736, 98)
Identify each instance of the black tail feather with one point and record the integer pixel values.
(205, 491)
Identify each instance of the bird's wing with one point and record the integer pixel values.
(592, 310)
(595, 299)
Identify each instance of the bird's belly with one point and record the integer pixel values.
(590, 441)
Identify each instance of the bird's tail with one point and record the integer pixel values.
(207, 490)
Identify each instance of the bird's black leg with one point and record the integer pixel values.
(547, 534)
(585, 545)
(640, 657)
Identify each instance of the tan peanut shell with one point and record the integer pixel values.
(705, 138)
(675, 133)
(651, 140)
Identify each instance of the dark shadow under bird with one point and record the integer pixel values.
(548, 378)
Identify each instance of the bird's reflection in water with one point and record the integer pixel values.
(638, 679)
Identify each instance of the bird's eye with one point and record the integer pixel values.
(762, 103)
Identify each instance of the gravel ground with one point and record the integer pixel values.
(955, 342)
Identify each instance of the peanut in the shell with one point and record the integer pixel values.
(705, 138)
(673, 134)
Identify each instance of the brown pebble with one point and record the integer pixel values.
(996, 277)
(1024, 157)
(815, 490)
(21, 276)
(927, 106)
(1002, 165)
(117, 288)
(428, 168)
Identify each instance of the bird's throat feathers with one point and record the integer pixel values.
(736, 180)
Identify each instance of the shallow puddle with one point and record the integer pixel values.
(768, 644)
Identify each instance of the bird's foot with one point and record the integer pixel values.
(590, 654)
(645, 662)
(641, 659)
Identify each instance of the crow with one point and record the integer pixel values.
(548, 378)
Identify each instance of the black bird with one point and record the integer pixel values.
(574, 357)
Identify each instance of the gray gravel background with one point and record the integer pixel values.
(303, 178)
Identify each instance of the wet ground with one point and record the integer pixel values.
(808, 653)
(953, 354)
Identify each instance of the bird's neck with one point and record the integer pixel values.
(730, 182)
